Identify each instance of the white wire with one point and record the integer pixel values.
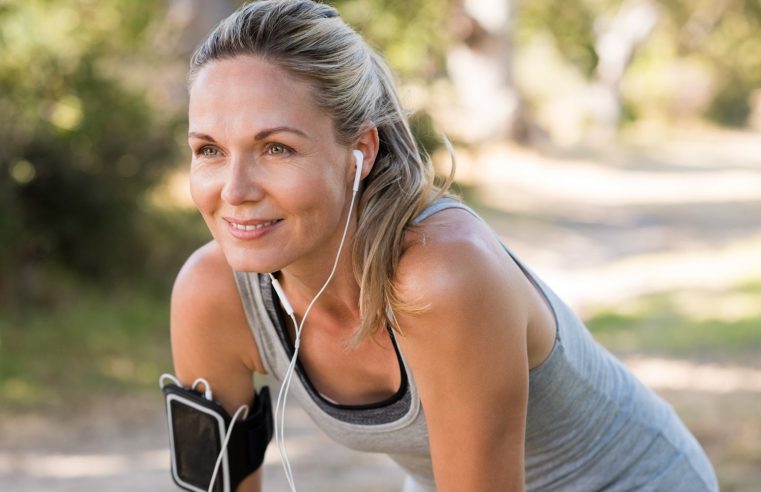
(280, 412)
(206, 388)
(282, 396)
(244, 409)
(166, 375)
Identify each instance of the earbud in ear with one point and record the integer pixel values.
(358, 157)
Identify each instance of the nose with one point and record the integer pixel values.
(241, 184)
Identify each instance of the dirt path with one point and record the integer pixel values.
(126, 450)
(686, 218)
(121, 445)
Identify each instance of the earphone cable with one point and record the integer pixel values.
(244, 409)
(282, 396)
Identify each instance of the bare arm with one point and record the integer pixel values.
(210, 335)
(468, 354)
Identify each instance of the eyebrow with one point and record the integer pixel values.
(259, 136)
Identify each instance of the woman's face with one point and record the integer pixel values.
(267, 174)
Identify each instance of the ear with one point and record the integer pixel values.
(367, 143)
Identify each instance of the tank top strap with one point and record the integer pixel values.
(440, 204)
(445, 203)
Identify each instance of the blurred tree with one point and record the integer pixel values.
(617, 38)
(609, 39)
(571, 25)
(466, 43)
(79, 145)
(480, 63)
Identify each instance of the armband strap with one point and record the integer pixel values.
(256, 430)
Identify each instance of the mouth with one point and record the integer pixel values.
(252, 227)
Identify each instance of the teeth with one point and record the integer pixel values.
(242, 227)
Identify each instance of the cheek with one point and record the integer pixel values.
(305, 191)
(310, 213)
(321, 197)
(202, 191)
(327, 213)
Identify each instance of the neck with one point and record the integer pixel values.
(340, 297)
(303, 280)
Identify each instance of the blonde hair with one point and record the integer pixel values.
(354, 85)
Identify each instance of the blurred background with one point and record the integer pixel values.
(614, 145)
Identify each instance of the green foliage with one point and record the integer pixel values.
(95, 344)
(571, 25)
(726, 35)
(412, 36)
(665, 323)
(78, 149)
(731, 105)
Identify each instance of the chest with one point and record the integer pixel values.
(349, 375)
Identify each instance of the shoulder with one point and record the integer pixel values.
(207, 263)
(205, 284)
(453, 258)
(206, 310)
(462, 290)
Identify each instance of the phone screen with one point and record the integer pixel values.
(197, 442)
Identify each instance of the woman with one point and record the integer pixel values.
(431, 342)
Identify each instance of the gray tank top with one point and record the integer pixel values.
(591, 424)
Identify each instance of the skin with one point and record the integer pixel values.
(486, 316)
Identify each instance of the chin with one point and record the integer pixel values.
(243, 260)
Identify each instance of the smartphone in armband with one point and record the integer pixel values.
(197, 429)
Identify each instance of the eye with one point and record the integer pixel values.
(278, 149)
(208, 151)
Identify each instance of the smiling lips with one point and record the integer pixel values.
(250, 229)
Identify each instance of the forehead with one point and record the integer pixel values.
(249, 92)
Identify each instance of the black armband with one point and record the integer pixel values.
(197, 430)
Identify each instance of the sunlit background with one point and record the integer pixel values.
(614, 145)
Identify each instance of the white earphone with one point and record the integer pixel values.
(358, 157)
(283, 394)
